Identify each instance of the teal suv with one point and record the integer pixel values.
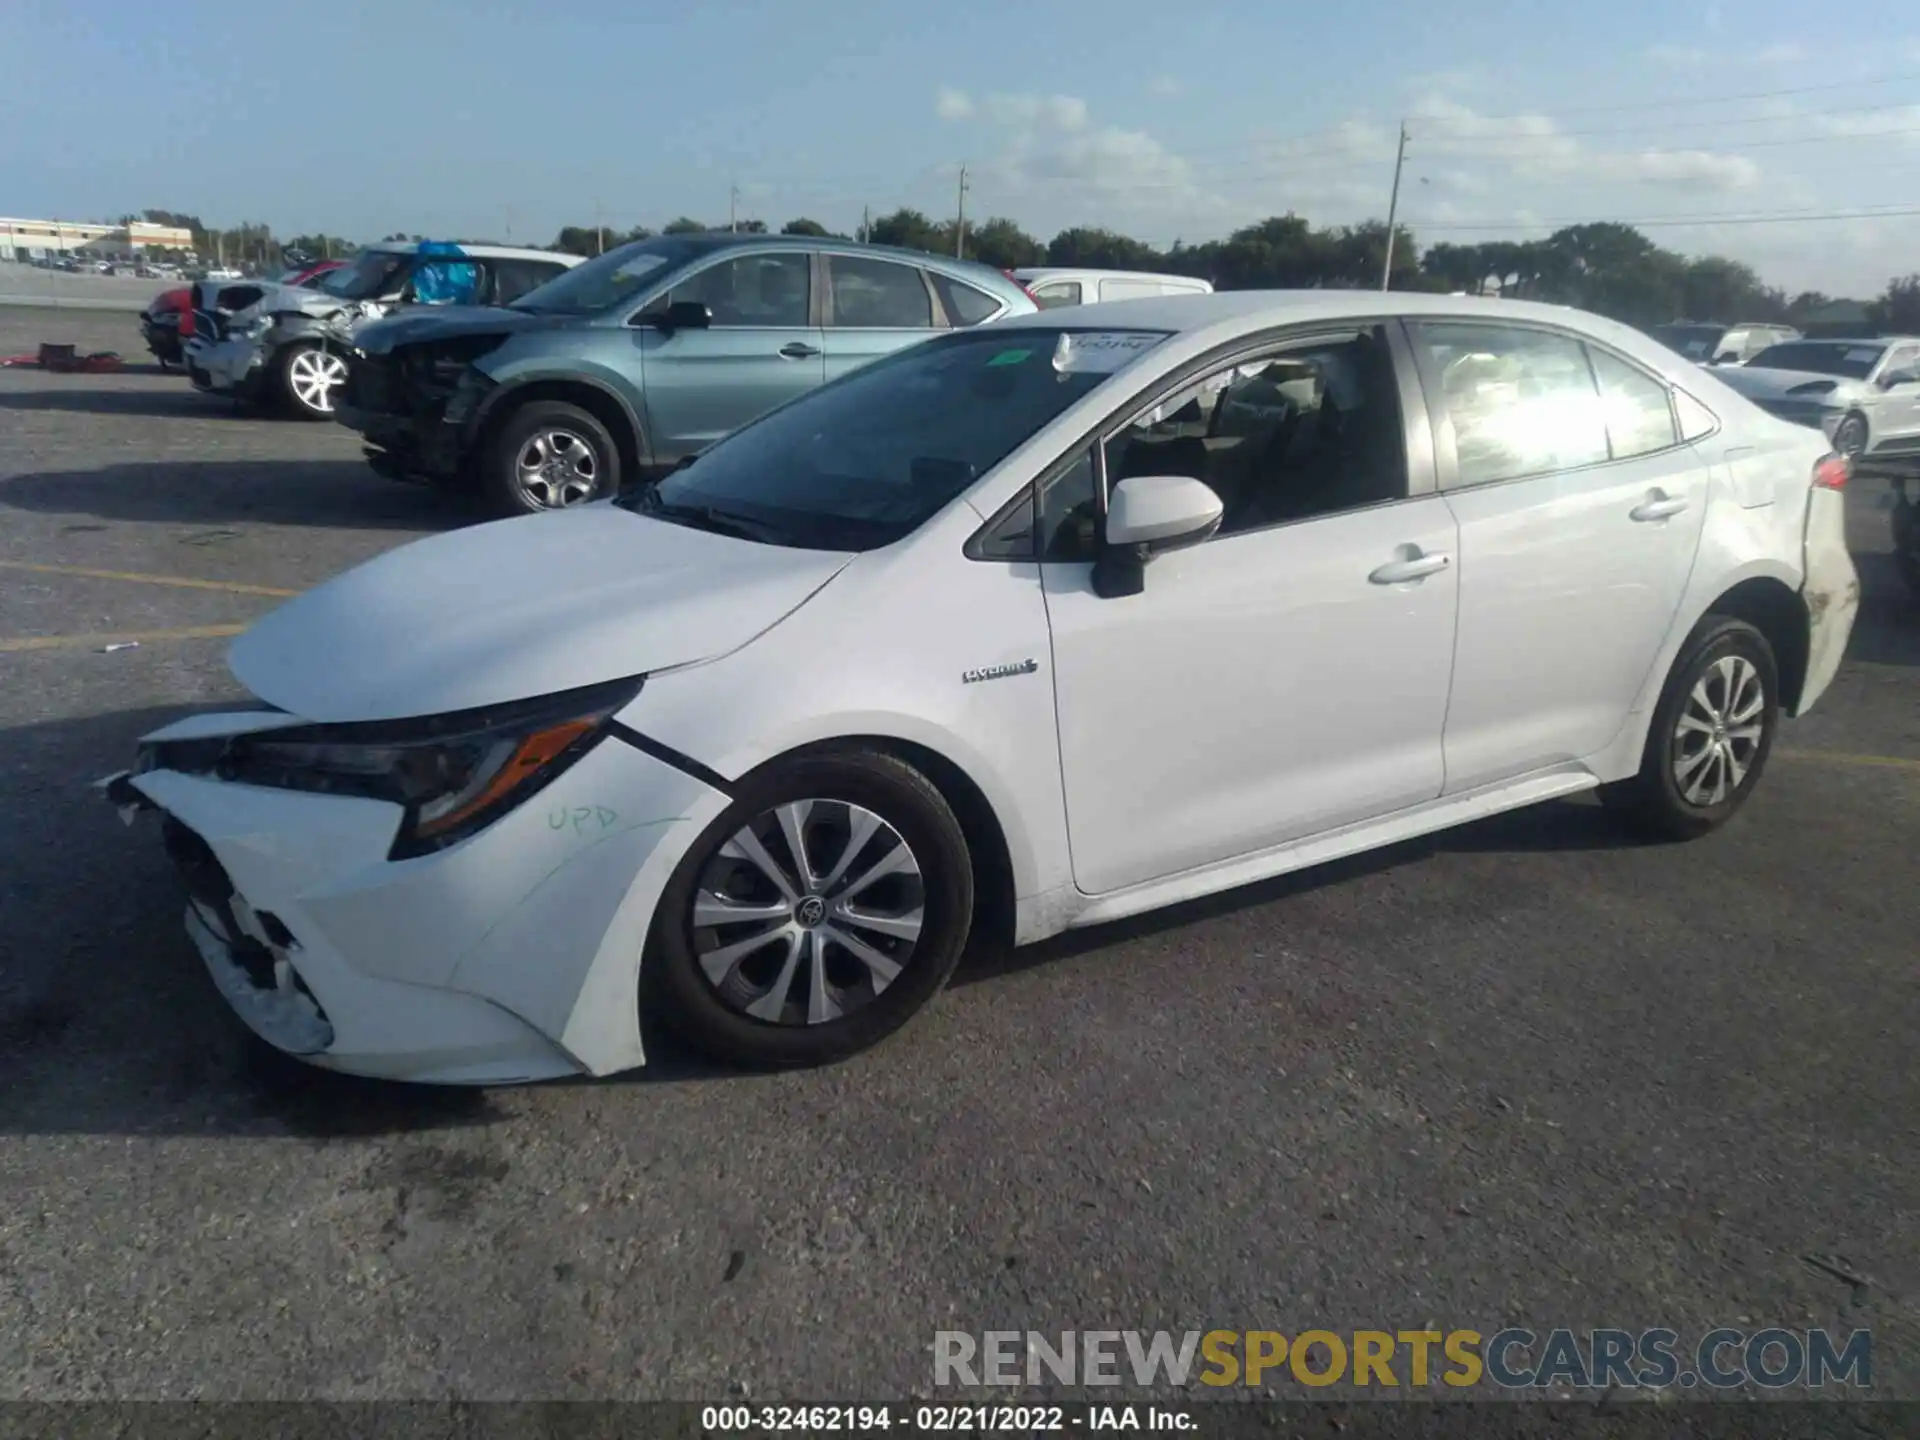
(637, 360)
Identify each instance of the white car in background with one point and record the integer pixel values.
(969, 636)
(1864, 395)
(1052, 286)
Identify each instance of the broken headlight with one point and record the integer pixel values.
(453, 774)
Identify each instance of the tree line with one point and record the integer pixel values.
(1610, 268)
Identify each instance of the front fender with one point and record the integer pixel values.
(512, 382)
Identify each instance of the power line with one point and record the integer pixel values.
(1785, 217)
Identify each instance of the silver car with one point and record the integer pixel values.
(1864, 394)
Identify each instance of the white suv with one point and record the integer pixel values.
(1050, 621)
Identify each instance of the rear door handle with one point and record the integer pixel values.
(1400, 572)
(1658, 507)
(798, 350)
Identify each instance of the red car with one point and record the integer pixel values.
(169, 319)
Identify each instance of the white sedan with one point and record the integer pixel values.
(1864, 395)
(1023, 628)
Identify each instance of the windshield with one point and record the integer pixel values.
(1852, 362)
(371, 275)
(1693, 341)
(608, 280)
(870, 458)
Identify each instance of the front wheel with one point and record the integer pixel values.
(815, 916)
(309, 377)
(1850, 436)
(549, 455)
(1711, 733)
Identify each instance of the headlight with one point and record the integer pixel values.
(453, 774)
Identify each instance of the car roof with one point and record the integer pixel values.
(1049, 272)
(733, 239)
(1240, 310)
(481, 252)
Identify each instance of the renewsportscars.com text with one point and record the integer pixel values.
(1512, 1359)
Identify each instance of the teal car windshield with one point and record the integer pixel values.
(610, 279)
(867, 460)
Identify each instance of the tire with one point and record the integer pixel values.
(305, 378)
(1850, 436)
(859, 1004)
(547, 455)
(1678, 795)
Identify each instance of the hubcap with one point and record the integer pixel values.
(557, 467)
(807, 913)
(313, 374)
(1719, 731)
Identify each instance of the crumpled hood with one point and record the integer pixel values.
(518, 609)
(1770, 384)
(428, 323)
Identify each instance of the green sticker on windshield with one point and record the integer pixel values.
(1011, 357)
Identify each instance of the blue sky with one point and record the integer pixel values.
(502, 117)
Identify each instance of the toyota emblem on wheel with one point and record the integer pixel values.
(810, 911)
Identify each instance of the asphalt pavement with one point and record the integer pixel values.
(1527, 1072)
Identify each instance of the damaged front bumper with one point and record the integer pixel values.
(510, 956)
(416, 429)
(234, 366)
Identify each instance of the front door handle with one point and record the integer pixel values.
(798, 350)
(1658, 506)
(1419, 567)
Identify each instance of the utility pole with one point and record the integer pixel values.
(866, 223)
(960, 219)
(599, 228)
(733, 207)
(1393, 208)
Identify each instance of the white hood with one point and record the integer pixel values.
(1770, 384)
(517, 609)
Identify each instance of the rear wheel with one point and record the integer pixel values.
(1710, 736)
(309, 376)
(548, 455)
(822, 909)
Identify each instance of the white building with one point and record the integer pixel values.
(31, 239)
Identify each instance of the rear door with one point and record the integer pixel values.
(1580, 510)
(873, 307)
(762, 349)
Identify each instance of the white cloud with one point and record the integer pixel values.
(952, 104)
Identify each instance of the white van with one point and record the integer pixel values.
(1052, 287)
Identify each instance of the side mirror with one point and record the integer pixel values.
(1149, 515)
(1898, 377)
(683, 315)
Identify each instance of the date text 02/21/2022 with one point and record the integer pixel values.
(938, 1419)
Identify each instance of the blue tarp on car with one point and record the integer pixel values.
(451, 281)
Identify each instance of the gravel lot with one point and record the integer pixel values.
(1522, 1073)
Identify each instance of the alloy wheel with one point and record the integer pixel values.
(1719, 731)
(313, 375)
(807, 913)
(557, 467)
(1850, 438)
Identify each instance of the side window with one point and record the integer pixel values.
(1522, 402)
(877, 295)
(1735, 345)
(514, 278)
(1903, 359)
(1060, 292)
(964, 304)
(1070, 513)
(1639, 416)
(1130, 289)
(1304, 430)
(1696, 421)
(756, 291)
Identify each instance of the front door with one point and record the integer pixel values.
(873, 308)
(1580, 511)
(1289, 676)
(761, 350)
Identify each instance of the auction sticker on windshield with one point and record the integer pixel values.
(1101, 352)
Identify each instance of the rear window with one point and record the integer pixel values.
(1055, 294)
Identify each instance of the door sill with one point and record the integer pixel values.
(1441, 814)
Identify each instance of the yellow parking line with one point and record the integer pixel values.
(100, 642)
(232, 587)
(1842, 757)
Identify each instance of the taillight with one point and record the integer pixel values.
(1831, 472)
